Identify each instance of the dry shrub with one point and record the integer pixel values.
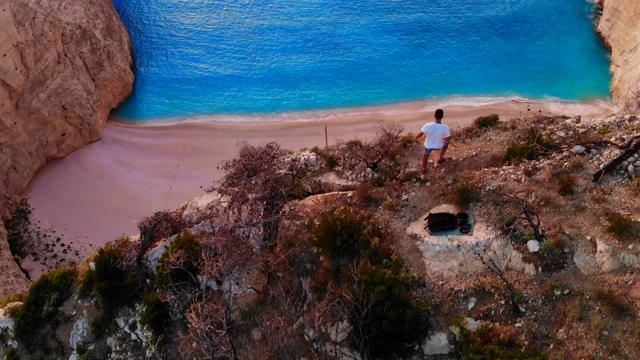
(622, 226)
(157, 227)
(531, 145)
(615, 303)
(634, 186)
(373, 153)
(464, 194)
(577, 163)
(486, 122)
(364, 193)
(566, 185)
(600, 195)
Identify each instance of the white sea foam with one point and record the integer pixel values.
(553, 105)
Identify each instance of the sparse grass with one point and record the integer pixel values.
(566, 185)
(551, 287)
(634, 186)
(577, 163)
(464, 194)
(580, 308)
(598, 325)
(392, 204)
(603, 129)
(622, 227)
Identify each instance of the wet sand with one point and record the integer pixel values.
(99, 192)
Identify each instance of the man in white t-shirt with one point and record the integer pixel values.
(438, 137)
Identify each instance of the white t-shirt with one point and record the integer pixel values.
(435, 132)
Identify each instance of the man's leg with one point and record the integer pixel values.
(425, 160)
(442, 151)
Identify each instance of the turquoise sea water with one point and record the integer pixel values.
(243, 57)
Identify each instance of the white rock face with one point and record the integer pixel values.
(533, 246)
(79, 332)
(438, 344)
(197, 207)
(155, 254)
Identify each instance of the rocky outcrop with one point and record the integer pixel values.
(619, 27)
(65, 66)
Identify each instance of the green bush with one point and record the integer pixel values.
(464, 194)
(156, 314)
(180, 264)
(343, 235)
(114, 285)
(42, 304)
(485, 122)
(11, 354)
(495, 342)
(388, 320)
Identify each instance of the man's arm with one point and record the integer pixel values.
(419, 135)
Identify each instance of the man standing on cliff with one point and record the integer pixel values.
(438, 137)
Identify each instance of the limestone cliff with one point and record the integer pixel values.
(64, 66)
(619, 27)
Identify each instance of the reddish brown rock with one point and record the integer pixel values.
(64, 65)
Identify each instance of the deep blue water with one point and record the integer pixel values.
(197, 57)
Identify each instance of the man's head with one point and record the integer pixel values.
(439, 114)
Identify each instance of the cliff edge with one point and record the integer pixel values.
(619, 27)
(65, 66)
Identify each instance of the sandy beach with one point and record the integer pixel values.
(99, 192)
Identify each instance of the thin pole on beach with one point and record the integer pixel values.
(326, 137)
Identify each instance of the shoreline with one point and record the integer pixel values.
(99, 192)
(401, 108)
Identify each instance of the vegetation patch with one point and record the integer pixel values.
(495, 342)
(42, 304)
(344, 235)
(156, 314)
(531, 146)
(180, 264)
(486, 122)
(113, 282)
(388, 321)
(622, 227)
(566, 185)
(464, 194)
